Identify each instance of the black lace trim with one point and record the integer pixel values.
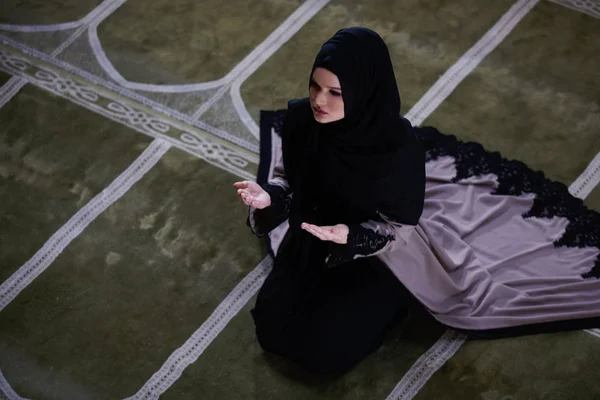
(361, 241)
(269, 218)
(277, 120)
(281, 198)
(515, 178)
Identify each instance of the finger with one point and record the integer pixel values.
(326, 236)
(315, 230)
(312, 233)
(306, 226)
(322, 237)
(316, 234)
(320, 230)
(241, 185)
(247, 198)
(245, 194)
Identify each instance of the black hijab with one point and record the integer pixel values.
(367, 163)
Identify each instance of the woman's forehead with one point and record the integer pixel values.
(324, 77)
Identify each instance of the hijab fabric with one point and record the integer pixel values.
(365, 164)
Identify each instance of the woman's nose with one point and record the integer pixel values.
(320, 98)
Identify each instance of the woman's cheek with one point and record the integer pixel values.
(340, 108)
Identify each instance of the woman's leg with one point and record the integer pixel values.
(325, 319)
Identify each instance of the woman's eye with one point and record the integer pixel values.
(334, 93)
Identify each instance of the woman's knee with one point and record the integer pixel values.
(328, 354)
(318, 349)
(268, 342)
(271, 333)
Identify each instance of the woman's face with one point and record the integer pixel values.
(326, 96)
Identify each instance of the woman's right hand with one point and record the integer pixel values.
(252, 194)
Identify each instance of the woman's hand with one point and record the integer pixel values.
(337, 233)
(252, 194)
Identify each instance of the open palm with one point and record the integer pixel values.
(337, 233)
(252, 194)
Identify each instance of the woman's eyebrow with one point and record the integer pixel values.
(317, 83)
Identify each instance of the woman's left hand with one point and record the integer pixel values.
(337, 233)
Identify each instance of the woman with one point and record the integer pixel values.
(485, 244)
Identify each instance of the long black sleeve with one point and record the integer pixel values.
(264, 221)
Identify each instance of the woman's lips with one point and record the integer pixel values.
(319, 111)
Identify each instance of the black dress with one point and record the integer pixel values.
(500, 250)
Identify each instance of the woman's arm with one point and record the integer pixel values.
(263, 221)
(368, 239)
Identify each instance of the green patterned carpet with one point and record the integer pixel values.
(88, 88)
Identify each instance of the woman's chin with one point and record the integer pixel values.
(320, 118)
(324, 119)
